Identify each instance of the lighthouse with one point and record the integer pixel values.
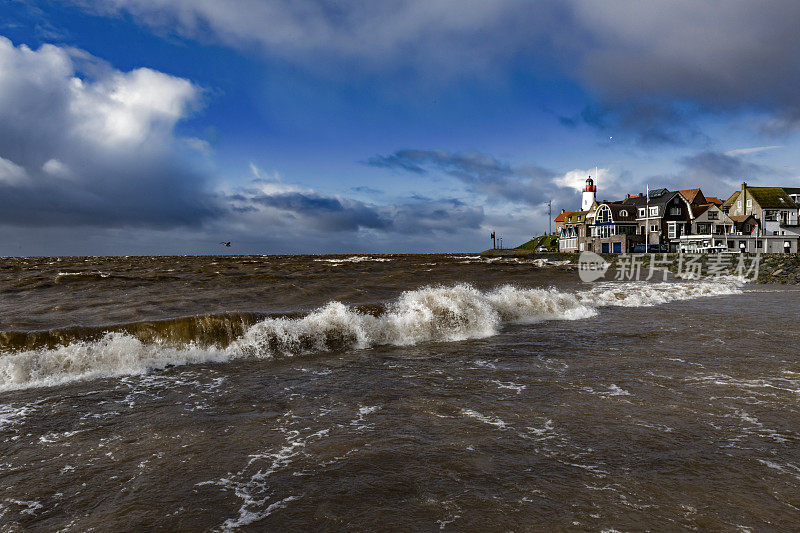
(589, 195)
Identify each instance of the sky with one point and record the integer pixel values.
(134, 127)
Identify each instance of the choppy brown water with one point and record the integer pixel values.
(229, 394)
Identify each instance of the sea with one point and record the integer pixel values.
(392, 393)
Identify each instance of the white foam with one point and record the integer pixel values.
(490, 420)
(354, 259)
(11, 416)
(639, 294)
(430, 314)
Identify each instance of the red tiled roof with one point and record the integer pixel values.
(714, 200)
(690, 194)
(562, 217)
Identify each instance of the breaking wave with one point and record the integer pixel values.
(431, 314)
(354, 259)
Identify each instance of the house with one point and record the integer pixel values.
(709, 227)
(744, 224)
(612, 228)
(570, 226)
(694, 196)
(663, 216)
(775, 212)
(773, 207)
(754, 219)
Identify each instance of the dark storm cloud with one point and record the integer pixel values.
(718, 174)
(312, 211)
(84, 151)
(726, 166)
(100, 151)
(653, 122)
(482, 173)
(326, 213)
(684, 59)
(642, 62)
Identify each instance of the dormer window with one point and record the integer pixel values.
(653, 211)
(642, 212)
(623, 213)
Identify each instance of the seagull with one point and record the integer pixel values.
(228, 244)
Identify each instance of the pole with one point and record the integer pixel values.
(647, 221)
(550, 217)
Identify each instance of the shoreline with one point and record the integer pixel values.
(783, 269)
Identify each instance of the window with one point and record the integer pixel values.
(623, 213)
(642, 212)
(674, 210)
(771, 216)
(672, 231)
(759, 243)
(654, 228)
(654, 211)
(713, 215)
(749, 203)
(739, 205)
(703, 228)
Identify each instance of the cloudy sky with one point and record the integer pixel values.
(286, 126)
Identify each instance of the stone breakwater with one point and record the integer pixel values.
(773, 268)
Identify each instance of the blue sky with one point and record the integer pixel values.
(165, 127)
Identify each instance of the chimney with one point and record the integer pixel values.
(563, 210)
(627, 196)
(744, 198)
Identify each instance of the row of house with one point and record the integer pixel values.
(754, 219)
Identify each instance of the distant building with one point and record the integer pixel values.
(755, 219)
(775, 213)
(612, 228)
(570, 226)
(663, 217)
(708, 229)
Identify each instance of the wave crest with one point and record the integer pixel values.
(430, 314)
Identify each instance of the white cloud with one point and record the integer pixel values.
(11, 173)
(56, 168)
(111, 133)
(576, 179)
(130, 108)
(755, 149)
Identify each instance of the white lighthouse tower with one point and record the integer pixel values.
(589, 195)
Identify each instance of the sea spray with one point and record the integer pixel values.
(430, 314)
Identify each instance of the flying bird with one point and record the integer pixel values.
(228, 244)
